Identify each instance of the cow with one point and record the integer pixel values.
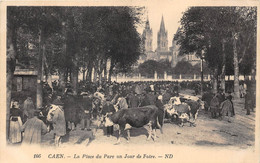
(43, 116)
(184, 110)
(137, 117)
(181, 111)
(194, 109)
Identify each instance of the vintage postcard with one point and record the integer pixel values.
(129, 81)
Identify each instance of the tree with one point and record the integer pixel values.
(211, 29)
(109, 35)
(198, 33)
(149, 67)
(61, 35)
(183, 67)
(11, 60)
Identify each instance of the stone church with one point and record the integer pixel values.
(162, 52)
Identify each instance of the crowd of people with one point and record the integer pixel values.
(25, 125)
(96, 100)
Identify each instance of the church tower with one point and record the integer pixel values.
(148, 37)
(162, 38)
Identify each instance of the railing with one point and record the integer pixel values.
(174, 77)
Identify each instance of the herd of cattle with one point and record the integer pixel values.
(180, 109)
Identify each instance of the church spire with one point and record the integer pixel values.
(162, 27)
(162, 38)
(147, 24)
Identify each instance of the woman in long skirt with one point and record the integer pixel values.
(15, 135)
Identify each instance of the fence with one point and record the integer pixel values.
(175, 77)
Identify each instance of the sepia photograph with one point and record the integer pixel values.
(137, 82)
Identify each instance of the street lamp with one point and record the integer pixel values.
(201, 70)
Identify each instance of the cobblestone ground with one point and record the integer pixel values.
(208, 132)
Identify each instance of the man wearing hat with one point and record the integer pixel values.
(166, 96)
(249, 96)
(221, 95)
(108, 109)
(33, 128)
(159, 104)
(71, 110)
(132, 99)
(86, 109)
(230, 97)
(149, 98)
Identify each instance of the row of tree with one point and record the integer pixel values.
(149, 67)
(225, 37)
(66, 40)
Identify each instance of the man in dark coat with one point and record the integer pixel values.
(206, 97)
(248, 101)
(86, 108)
(133, 100)
(166, 96)
(160, 106)
(108, 109)
(221, 96)
(149, 98)
(230, 97)
(71, 110)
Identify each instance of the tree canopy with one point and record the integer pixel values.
(224, 36)
(92, 35)
(149, 67)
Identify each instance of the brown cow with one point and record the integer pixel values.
(137, 117)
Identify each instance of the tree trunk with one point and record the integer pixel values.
(68, 75)
(95, 74)
(62, 81)
(236, 67)
(84, 73)
(223, 73)
(74, 75)
(49, 79)
(11, 59)
(110, 71)
(89, 73)
(215, 81)
(202, 78)
(47, 71)
(64, 70)
(39, 75)
(74, 81)
(105, 72)
(101, 69)
(100, 77)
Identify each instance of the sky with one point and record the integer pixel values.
(172, 14)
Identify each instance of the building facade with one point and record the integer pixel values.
(162, 38)
(162, 52)
(148, 37)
